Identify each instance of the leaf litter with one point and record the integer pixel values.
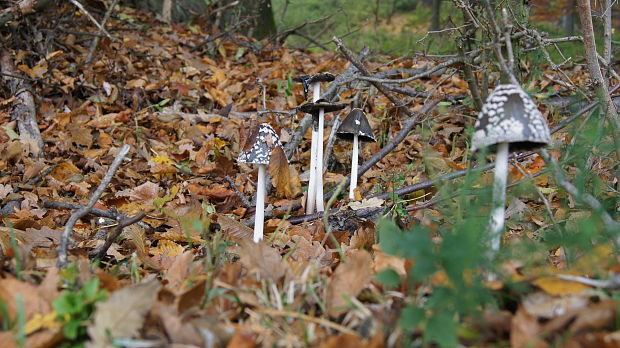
(196, 278)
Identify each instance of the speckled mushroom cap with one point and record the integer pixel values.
(258, 148)
(307, 80)
(356, 123)
(313, 108)
(509, 115)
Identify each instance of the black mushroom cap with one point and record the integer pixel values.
(307, 80)
(314, 108)
(258, 147)
(356, 123)
(510, 116)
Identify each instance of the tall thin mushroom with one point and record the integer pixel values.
(354, 128)
(509, 121)
(315, 183)
(257, 150)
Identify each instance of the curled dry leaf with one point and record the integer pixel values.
(283, 177)
(122, 314)
(262, 259)
(348, 280)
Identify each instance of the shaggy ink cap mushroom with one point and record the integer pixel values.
(510, 116)
(307, 80)
(356, 123)
(259, 145)
(314, 108)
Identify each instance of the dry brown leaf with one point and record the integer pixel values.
(32, 301)
(65, 171)
(243, 339)
(233, 228)
(524, 331)
(348, 280)
(283, 177)
(262, 259)
(179, 270)
(122, 314)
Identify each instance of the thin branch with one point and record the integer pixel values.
(232, 184)
(102, 251)
(66, 232)
(95, 43)
(109, 213)
(610, 224)
(92, 19)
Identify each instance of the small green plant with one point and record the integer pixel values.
(76, 305)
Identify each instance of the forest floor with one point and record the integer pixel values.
(188, 273)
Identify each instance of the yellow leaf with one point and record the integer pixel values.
(559, 287)
(283, 177)
(39, 321)
(168, 248)
(161, 159)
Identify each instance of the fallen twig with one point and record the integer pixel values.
(95, 43)
(101, 252)
(76, 215)
(92, 19)
(232, 184)
(110, 214)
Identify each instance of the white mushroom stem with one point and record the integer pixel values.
(496, 227)
(320, 203)
(311, 195)
(354, 157)
(259, 218)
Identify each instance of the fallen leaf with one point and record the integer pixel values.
(122, 314)
(233, 228)
(283, 177)
(524, 330)
(32, 302)
(348, 280)
(559, 287)
(262, 259)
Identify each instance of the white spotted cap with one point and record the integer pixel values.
(510, 116)
(259, 145)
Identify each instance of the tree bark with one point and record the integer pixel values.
(24, 109)
(600, 84)
(259, 12)
(436, 15)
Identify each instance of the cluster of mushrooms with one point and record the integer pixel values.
(264, 139)
(508, 121)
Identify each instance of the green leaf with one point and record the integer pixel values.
(11, 133)
(411, 317)
(62, 305)
(441, 328)
(71, 329)
(389, 237)
(388, 277)
(90, 289)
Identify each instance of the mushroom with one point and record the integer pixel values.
(257, 150)
(315, 183)
(509, 121)
(355, 127)
(316, 148)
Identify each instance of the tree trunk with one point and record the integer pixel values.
(258, 14)
(435, 15)
(568, 19)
